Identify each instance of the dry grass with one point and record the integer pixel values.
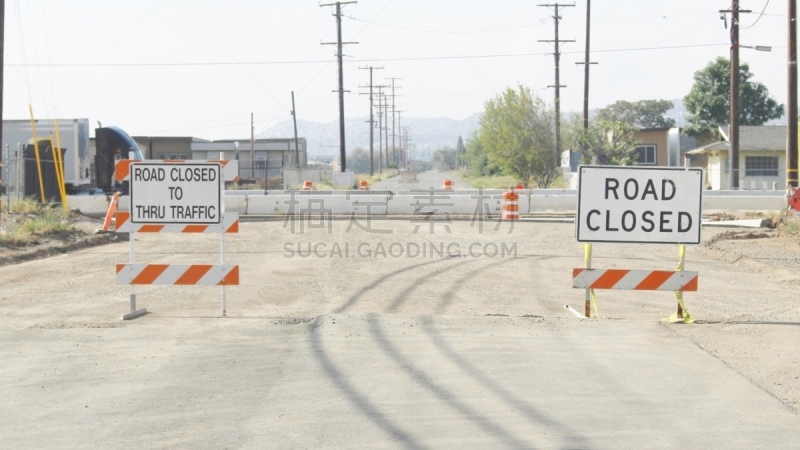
(31, 220)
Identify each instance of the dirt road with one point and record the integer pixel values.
(365, 335)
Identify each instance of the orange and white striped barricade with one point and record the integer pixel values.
(635, 280)
(176, 197)
(307, 185)
(363, 185)
(510, 205)
(229, 224)
(178, 274)
(447, 185)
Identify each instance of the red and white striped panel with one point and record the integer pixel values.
(230, 224)
(230, 169)
(178, 274)
(636, 280)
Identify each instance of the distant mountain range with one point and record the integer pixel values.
(428, 134)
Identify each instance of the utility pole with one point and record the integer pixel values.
(380, 129)
(252, 152)
(296, 147)
(733, 133)
(400, 140)
(393, 112)
(586, 64)
(2, 53)
(371, 122)
(339, 44)
(386, 123)
(404, 146)
(557, 54)
(791, 102)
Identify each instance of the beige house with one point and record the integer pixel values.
(762, 159)
(652, 148)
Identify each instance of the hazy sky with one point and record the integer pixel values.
(199, 68)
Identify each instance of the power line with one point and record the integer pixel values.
(365, 60)
(758, 18)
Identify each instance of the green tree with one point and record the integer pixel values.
(517, 131)
(613, 143)
(460, 150)
(445, 159)
(571, 131)
(641, 114)
(708, 102)
(358, 160)
(478, 158)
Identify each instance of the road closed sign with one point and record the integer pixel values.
(176, 193)
(639, 204)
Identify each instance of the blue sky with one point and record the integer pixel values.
(196, 67)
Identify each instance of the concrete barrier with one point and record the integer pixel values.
(744, 203)
(460, 202)
(91, 205)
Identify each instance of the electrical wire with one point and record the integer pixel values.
(416, 58)
(758, 18)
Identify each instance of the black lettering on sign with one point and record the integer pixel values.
(628, 183)
(664, 222)
(649, 188)
(589, 220)
(608, 222)
(611, 185)
(632, 216)
(148, 173)
(681, 216)
(664, 195)
(646, 218)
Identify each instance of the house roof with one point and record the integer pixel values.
(751, 138)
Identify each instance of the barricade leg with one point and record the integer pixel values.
(682, 315)
(134, 312)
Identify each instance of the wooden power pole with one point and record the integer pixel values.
(557, 54)
(791, 102)
(586, 64)
(339, 43)
(733, 133)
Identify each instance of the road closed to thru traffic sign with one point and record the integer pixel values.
(639, 204)
(171, 193)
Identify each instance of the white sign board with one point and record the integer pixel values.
(656, 205)
(170, 193)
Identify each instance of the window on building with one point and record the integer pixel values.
(761, 166)
(261, 163)
(173, 156)
(647, 155)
